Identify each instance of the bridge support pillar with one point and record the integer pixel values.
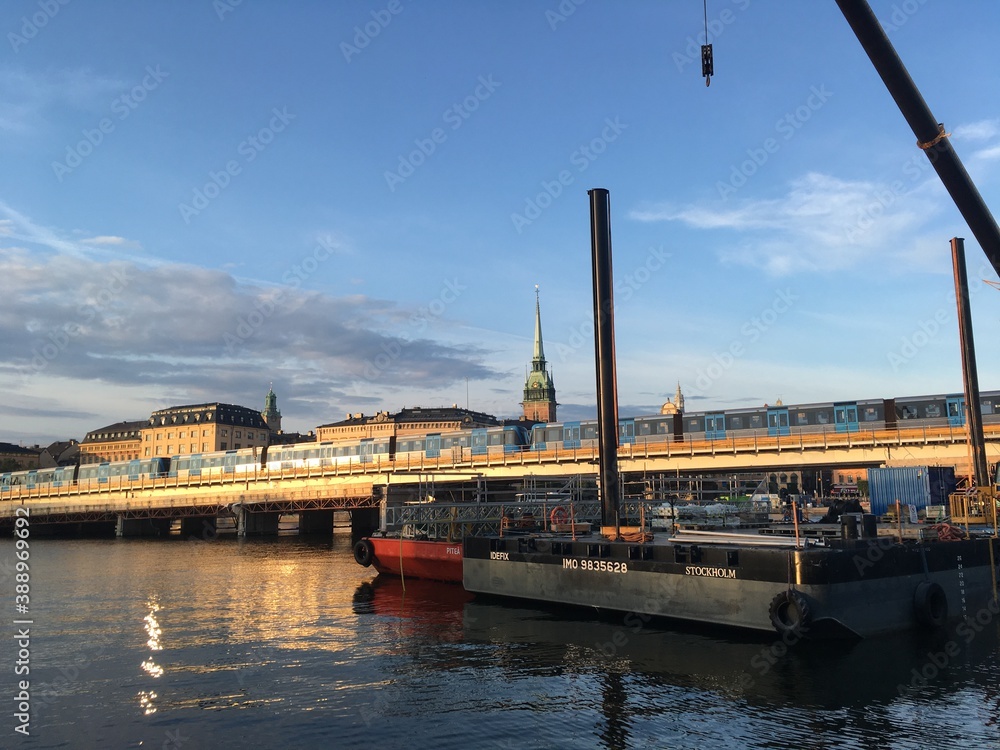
(139, 527)
(199, 527)
(316, 522)
(250, 523)
(364, 521)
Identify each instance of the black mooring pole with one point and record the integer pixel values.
(930, 134)
(970, 376)
(604, 349)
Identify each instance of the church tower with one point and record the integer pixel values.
(675, 406)
(539, 389)
(271, 414)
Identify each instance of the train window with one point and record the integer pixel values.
(736, 423)
(933, 410)
(756, 421)
(822, 417)
(871, 414)
(908, 412)
(801, 418)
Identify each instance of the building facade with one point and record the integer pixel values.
(539, 388)
(203, 428)
(414, 421)
(121, 441)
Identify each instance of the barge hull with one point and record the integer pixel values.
(864, 590)
(418, 558)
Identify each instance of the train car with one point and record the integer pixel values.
(33, 479)
(306, 456)
(573, 435)
(241, 462)
(944, 410)
(498, 439)
(412, 448)
(123, 471)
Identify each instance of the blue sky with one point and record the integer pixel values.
(354, 202)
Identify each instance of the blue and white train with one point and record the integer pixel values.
(399, 452)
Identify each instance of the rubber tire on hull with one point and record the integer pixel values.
(364, 553)
(790, 613)
(930, 604)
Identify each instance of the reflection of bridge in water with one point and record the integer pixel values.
(255, 502)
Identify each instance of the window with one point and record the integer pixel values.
(159, 450)
(170, 436)
(223, 447)
(250, 434)
(170, 449)
(147, 451)
(237, 445)
(236, 434)
(225, 433)
(180, 448)
(204, 446)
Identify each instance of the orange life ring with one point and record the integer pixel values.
(558, 515)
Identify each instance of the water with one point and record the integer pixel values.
(290, 644)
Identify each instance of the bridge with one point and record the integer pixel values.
(255, 501)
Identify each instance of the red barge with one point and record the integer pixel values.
(415, 558)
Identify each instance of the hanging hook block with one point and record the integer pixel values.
(707, 62)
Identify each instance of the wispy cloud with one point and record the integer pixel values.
(988, 154)
(982, 130)
(111, 241)
(821, 223)
(26, 98)
(174, 326)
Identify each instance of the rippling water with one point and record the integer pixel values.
(290, 644)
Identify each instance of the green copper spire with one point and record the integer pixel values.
(539, 389)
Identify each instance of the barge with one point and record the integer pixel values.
(838, 588)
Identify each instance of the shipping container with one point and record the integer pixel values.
(918, 486)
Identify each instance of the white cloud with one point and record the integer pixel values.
(26, 98)
(822, 223)
(111, 241)
(988, 154)
(978, 131)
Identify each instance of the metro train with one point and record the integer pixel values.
(779, 420)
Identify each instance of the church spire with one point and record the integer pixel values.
(539, 389)
(271, 414)
(538, 360)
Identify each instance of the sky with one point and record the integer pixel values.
(353, 203)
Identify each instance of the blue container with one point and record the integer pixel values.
(918, 486)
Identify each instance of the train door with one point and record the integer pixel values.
(715, 426)
(626, 432)
(103, 472)
(845, 417)
(134, 469)
(571, 435)
(777, 422)
(366, 450)
(434, 445)
(955, 405)
(478, 442)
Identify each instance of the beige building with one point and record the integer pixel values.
(415, 421)
(121, 441)
(202, 428)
